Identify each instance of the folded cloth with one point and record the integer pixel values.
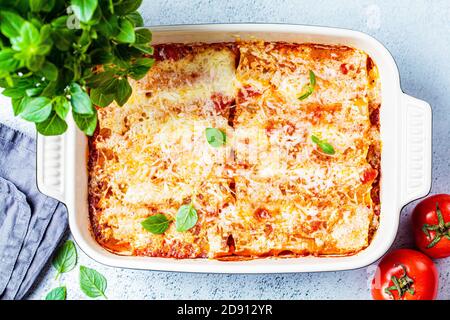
(31, 224)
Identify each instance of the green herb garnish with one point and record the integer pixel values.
(50, 53)
(323, 145)
(215, 137)
(65, 258)
(156, 224)
(92, 283)
(310, 87)
(58, 293)
(186, 217)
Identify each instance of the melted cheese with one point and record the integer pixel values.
(269, 190)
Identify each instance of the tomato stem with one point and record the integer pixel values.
(442, 229)
(401, 285)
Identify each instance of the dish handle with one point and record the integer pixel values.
(50, 165)
(415, 149)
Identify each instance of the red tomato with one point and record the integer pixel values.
(405, 274)
(431, 225)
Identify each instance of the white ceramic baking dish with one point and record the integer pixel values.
(405, 162)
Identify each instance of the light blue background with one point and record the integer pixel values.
(418, 35)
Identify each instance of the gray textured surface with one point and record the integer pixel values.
(416, 33)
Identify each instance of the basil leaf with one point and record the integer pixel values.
(323, 145)
(27, 39)
(100, 79)
(61, 106)
(84, 9)
(32, 92)
(140, 68)
(126, 32)
(7, 60)
(80, 101)
(19, 104)
(14, 92)
(65, 258)
(50, 71)
(186, 218)
(136, 18)
(144, 48)
(109, 26)
(215, 137)
(37, 5)
(53, 126)
(123, 91)
(127, 6)
(156, 224)
(37, 109)
(10, 23)
(101, 99)
(143, 36)
(86, 123)
(92, 283)
(57, 294)
(310, 88)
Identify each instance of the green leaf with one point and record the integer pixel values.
(101, 56)
(100, 79)
(310, 88)
(156, 224)
(323, 145)
(126, 7)
(109, 26)
(61, 106)
(186, 218)
(19, 104)
(53, 126)
(144, 48)
(63, 39)
(136, 18)
(126, 32)
(140, 68)
(215, 137)
(123, 91)
(92, 283)
(37, 5)
(10, 23)
(143, 36)
(7, 61)
(84, 9)
(37, 109)
(66, 258)
(80, 101)
(32, 92)
(14, 92)
(50, 71)
(27, 40)
(58, 293)
(101, 99)
(87, 124)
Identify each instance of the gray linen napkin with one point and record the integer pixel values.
(31, 224)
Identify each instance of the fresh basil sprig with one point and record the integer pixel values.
(52, 53)
(215, 137)
(92, 283)
(186, 217)
(58, 293)
(156, 224)
(323, 145)
(65, 258)
(310, 87)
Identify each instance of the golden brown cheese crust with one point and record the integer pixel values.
(270, 191)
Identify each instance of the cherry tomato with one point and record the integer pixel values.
(405, 274)
(431, 225)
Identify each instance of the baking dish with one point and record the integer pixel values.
(405, 162)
